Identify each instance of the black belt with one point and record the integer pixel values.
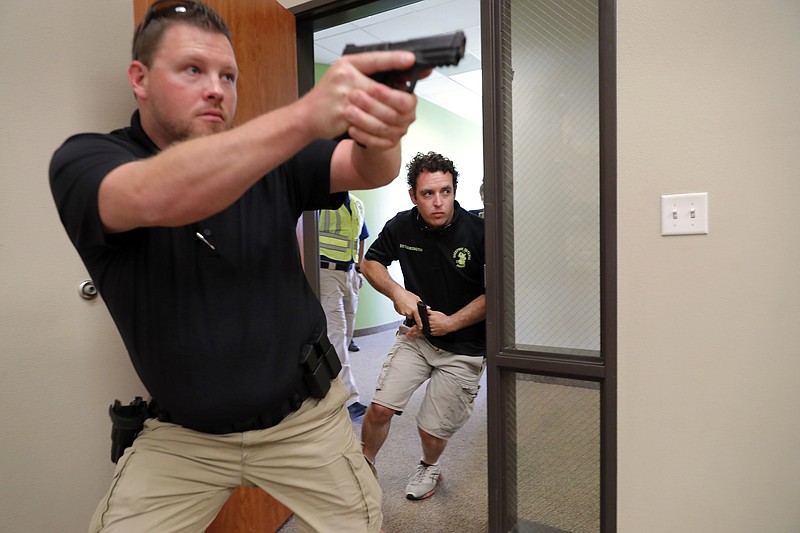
(345, 267)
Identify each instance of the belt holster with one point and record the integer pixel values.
(320, 365)
(126, 423)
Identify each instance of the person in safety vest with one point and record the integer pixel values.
(342, 233)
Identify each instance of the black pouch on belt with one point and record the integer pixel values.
(320, 365)
(126, 423)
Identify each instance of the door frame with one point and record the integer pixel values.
(502, 362)
(310, 17)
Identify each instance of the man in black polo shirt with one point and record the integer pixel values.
(187, 227)
(440, 247)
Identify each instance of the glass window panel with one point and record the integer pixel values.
(553, 292)
(555, 434)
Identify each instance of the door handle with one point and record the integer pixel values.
(87, 290)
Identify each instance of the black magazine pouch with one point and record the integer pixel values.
(320, 365)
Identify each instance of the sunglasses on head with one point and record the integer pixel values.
(166, 9)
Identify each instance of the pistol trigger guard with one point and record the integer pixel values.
(414, 75)
(406, 85)
(410, 84)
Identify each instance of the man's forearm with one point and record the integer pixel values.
(472, 313)
(378, 276)
(405, 302)
(378, 167)
(199, 177)
(356, 168)
(361, 246)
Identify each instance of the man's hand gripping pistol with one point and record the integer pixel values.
(435, 51)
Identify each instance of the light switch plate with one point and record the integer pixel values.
(684, 214)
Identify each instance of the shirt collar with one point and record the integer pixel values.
(425, 227)
(138, 134)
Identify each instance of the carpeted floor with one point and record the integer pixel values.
(460, 503)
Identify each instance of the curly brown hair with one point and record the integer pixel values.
(430, 162)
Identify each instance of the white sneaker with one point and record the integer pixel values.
(423, 482)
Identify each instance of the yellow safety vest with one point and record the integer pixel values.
(339, 231)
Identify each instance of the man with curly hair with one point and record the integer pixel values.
(440, 247)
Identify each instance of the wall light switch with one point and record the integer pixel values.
(684, 214)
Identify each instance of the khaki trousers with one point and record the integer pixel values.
(337, 299)
(174, 479)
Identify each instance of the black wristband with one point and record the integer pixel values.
(358, 269)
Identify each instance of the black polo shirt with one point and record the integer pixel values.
(214, 334)
(444, 267)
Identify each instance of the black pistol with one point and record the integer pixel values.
(423, 316)
(126, 423)
(435, 51)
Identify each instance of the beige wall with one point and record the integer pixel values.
(709, 325)
(61, 361)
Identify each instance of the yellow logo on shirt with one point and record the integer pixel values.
(461, 256)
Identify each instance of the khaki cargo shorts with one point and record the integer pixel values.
(451, 391)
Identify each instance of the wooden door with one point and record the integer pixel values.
(264, 41)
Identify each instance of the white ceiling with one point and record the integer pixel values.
(457, 89)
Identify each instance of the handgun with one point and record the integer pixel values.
(435, 51)
(126, 423)
(423, 316)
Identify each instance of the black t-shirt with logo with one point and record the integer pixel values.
(213, 314)
(444, 267)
